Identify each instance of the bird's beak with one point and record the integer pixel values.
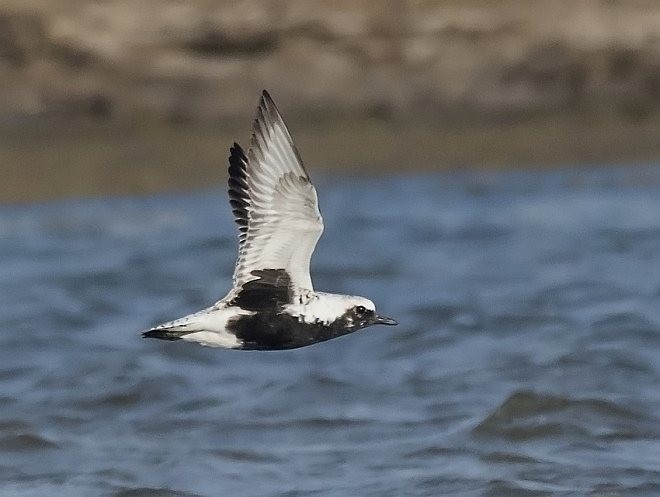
(385, 320)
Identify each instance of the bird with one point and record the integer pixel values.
(272, 304)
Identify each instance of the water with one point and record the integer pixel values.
(527, 361)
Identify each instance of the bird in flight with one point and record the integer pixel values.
(272, 305)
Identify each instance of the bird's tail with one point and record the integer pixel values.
(175, 330)
(165, 333)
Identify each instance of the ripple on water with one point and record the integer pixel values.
(626, 327)
(152, 492)
(527, 415)
(578, 294)
(25, 442)
(519, 322)
(18, 436)
(597, 361)
(458, 315)
(434, 451)
(499, 488)
(13, 425)
(245, 456)
(508, 458)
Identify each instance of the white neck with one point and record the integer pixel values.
(325, 307)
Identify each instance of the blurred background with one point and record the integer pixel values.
(116, 96)
(489, 175)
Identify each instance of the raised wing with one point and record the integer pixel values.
(274, 203)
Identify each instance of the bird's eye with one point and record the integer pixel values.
(360, 309)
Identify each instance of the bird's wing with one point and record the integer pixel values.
(274, 203)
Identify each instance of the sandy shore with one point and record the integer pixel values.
(50, 159)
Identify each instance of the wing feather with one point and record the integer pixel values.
(239, 197)
(274, 203)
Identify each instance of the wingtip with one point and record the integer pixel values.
(235, 149)
(266, 100)
(268, 105)
(267, 119)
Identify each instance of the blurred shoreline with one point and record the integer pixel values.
(50, 159)
(114, 96)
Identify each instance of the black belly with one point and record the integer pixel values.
(279, 331)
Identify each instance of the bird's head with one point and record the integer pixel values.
(361, 312)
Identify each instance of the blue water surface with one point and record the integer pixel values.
(527, 361)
